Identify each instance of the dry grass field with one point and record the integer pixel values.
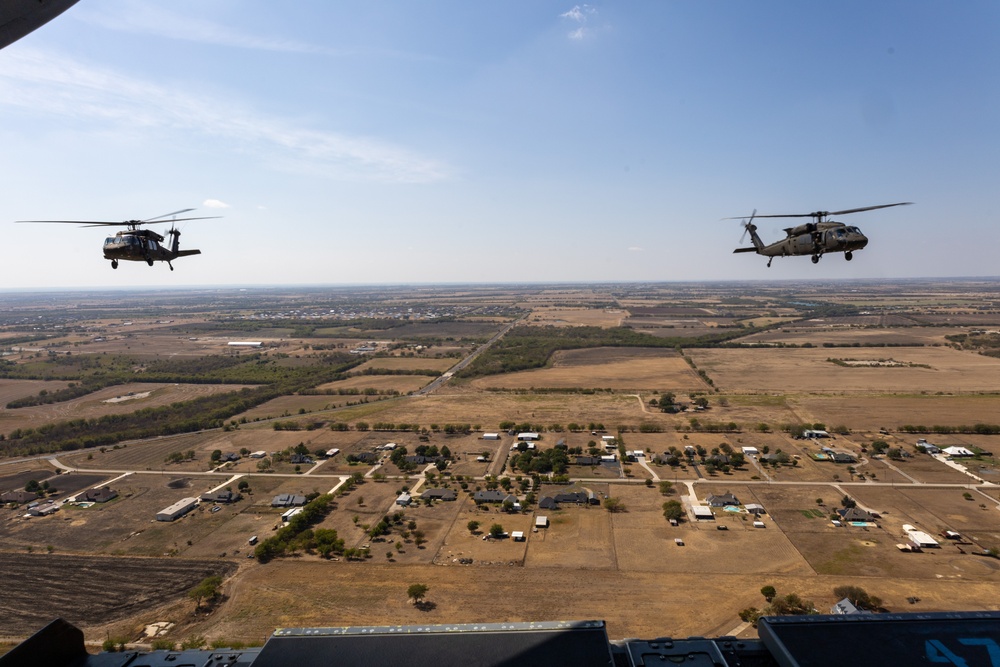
(644, 369)
(816, 335)
(875, 412)
(144, 395)
(577, 317)
(807, 370)
(401, 383)
(407, 364)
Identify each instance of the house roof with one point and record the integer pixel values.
(489, 496)
(723, 499)
(548, 503)
(101, 495)
(287, 500)
(438, 494)
(855, 514)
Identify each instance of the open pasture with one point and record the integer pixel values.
(644, 540)
(488, 409)
(459, 542)
(107, 401)
(577, 317)
(13, 389)
(605, 368)
(578, 538)
(407, 364)
(404, 384)
(817, 335)
(870, 413)
(807, 370)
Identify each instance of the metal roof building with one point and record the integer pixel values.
(177, 510)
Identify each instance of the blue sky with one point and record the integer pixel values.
(401, 142)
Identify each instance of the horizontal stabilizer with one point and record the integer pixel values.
(185, 253)
(745, 250)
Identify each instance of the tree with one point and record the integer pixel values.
(673, 510)
(790, 605)
(416, 592)
(768, 592)
(614, 505)
(216, 455)
(496, 531)
(473, 526)
(859, 597)
(208, 589)
(666, 488)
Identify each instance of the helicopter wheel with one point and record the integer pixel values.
(114, 264)
(769, 262)
(815, 259)
(848, 256)
(149, 261)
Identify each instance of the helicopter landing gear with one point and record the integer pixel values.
(149, 260)
(170, 265)
(114, 264)
(848, 255)
(815, 259)
(770, 259)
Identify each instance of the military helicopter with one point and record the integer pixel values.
(139, 245)
(815, 238)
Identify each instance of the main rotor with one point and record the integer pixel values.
(823, 216)
(131, 225)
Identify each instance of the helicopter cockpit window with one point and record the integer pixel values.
(109, 241)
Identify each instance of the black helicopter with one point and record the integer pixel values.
(139, 245)
(815, 238)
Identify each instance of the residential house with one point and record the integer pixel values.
(101, 495)
(722, 500)
(438, 494)
(223, 496)
(489, 496)
(19, 497)
(287, 500)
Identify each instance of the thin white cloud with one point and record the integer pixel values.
(214, 203)
(147, 19)
(634, 248)
(49, 83)
(579, 14)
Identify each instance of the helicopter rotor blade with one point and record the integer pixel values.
(167, 215)
(824, 214)
(869, 208)
(746, 225)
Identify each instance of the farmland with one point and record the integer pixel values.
(743, 367)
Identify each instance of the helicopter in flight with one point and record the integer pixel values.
(134, 244)
(815, 238)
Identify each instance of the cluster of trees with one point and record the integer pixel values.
(181, 417)
(298, 533)
(177, 457)
(540, 461)
(976, 429)
(526, 347)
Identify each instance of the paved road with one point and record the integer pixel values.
(468, 360)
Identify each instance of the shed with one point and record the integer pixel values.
(404, 499)
(177, 510)
(288, 514)
(491, 436)
(43, 509)
(608, 438)
(755, 508)
(920, 538)
(330, 453)
(541, 521)
(750, 451)
(527, 435)
(517, 535)
(759, 524)
(258, 455)
(702, 513)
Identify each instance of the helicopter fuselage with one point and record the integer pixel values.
(142, 245)
(811, 239)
